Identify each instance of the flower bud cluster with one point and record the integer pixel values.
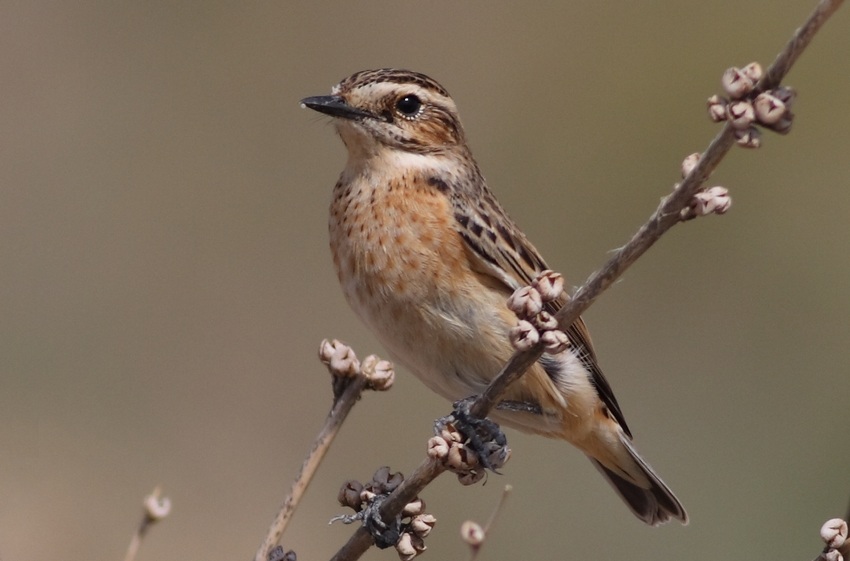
(156, 507)
(714, 200)
(415, 523)
(343, 365)
(278, 554)
(745, 106)
(536, 324)
(834, 534)
(450, 449)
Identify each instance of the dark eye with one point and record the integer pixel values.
(409, 105)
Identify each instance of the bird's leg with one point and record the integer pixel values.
(385, 534)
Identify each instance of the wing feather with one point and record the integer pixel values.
(505, 254)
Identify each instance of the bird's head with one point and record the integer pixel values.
(395, 109)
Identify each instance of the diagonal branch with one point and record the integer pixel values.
(350, 379)
(341, 407)
(663, 219)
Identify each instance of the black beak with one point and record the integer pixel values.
(334, 106)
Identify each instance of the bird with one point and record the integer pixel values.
(427, 257)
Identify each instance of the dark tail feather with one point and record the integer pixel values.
(654, 505)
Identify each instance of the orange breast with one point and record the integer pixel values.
(395, 242)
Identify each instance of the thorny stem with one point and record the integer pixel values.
(339, 411)
(665, 217)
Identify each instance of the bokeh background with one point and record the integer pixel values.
(166, 280)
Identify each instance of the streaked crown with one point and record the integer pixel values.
(393, 108)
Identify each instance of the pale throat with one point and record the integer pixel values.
(369, 156)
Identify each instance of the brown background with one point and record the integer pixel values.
(166, 280)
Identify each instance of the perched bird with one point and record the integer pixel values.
(427, 258)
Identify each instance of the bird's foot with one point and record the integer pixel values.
(385, 534)
(480, 442)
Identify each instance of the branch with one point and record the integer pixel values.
(668, 214)
(350, 379)
(474, 535)
(156, 508)
(665, 217)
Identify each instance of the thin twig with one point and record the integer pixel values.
(487, 527)
(155, 509)
(665, 217)
(797, 44)
(340, 409)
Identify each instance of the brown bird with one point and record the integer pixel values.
(427, 258)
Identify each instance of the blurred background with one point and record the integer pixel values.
(166, 279)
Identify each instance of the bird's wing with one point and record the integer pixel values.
(499, 249)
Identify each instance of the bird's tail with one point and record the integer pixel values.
(638, 485)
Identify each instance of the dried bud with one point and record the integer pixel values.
(451, 435)
(748, 138)
(713, 200)
(472, 533)
(769, 109)
(550, 285)
(326, 350)
(740, 114)
(409, 546)
(470, 477)
(460, 458)
(689, 163)
(405, 548)
(339, 358)
(720, 199)
(785, 94)
(525, 302)
(381, 476)
(385, 482)
(783, 125)
(544, 321)
(555, 340)
(422, 524)
(379, 372)
(413, 508)
(156, 507)
(418, 544)
(367, 495)
(833, 555)
(753, 71)
(438, 448)
(717, 108)
(278, 554)
(834, 533)
(735, 83)
(524, 336)
(349, 494)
